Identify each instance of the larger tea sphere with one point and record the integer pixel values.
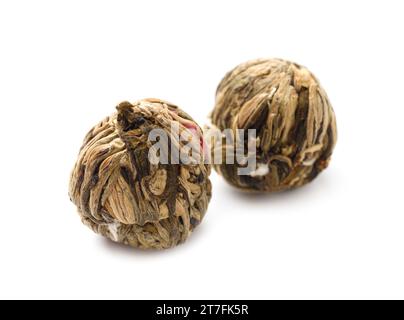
(122, 193)
(293, 118)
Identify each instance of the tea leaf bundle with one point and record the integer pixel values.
(293, 118)
(122, 195)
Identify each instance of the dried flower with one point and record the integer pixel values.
(293, 118)
(123, 195)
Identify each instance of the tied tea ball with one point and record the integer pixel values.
(293, 118)
(123, 195)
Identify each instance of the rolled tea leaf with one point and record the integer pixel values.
(123, 194)
(293, 118)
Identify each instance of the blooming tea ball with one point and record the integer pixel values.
(293, 118)
(123, 194)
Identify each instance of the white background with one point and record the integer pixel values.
(64, 65)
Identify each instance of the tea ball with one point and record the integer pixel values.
(293, 118)
(125, 195)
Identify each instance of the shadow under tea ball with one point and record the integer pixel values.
(123, 196)
(293, 118)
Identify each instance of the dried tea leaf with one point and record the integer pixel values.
(121, 195)
(294, 121)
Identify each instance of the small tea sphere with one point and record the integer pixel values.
(124, 196)
(293, 118)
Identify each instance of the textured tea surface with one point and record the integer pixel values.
(123, 196)
(295, 123)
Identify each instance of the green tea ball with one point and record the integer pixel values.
(293, 118)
